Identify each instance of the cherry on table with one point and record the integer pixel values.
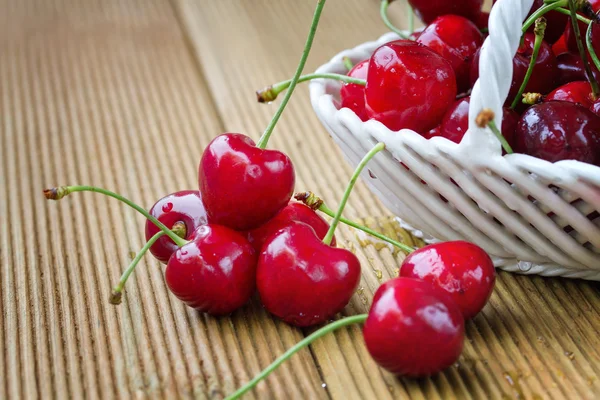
(413, 329)
(409, 86)
(462, 269)
(215, 273)
(184, 206)
(242, 185)
(352, 96)
(428, 10)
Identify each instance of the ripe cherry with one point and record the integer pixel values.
(579, 92)
(571, 69)
(184, 206)
(555, 22)
(428, 10)
(570, 34)
(482, 20)
(409, 86)
(457, 40)
(243, 186)
(461, 269)
(413, 328)
(292, 212)
(215, 273)
(302, 280)
(353, 95)
(559, 130)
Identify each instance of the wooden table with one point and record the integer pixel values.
(124, 94)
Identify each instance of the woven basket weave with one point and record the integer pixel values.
(530, 215)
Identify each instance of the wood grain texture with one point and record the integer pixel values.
(124, 94)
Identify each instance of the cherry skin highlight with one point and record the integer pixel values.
(302, 280)
(215, 273)
(428, 10)
(413, 329)
(461, 269)
(409, 86)
(579, 92)
(457, 40)
(242, 185)
(292, 212)
(184, 206)
(353, 95)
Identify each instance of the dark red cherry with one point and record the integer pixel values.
(215, 273)
(544, 72)
(595, 107)
(242, 185)
(570, 69)
(184, 206)
(482, 20)
(555, 22)
(292, 212)
(456, 39)
(409, 86)
(461, 269)
(353, 95)
(570, 34)
(428, 10)
(579, 92)
(558, 130)
(302, 280)
(413, 328)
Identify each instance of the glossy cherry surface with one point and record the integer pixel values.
(413, 328)
(570, 69)
(559, 130)
(215, 273)
(184, 206)
(352, 95)
(302, 280)
(457, 40)
(242, 185)
(579, 92)
(428, 10)
(294, 211)
(409, 86)
(461, 269)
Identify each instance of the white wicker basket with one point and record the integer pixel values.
(530, 215)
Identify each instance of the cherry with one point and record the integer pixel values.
(302, 280)
(559, 130)
(215, 273)
(579, 92)
(184, 206)
(457, 40)
(570, 34)
(292, 212)
(242, 185)
(413, 328)
(570, 69)
(461, 269)
(482, 20)
(555, 22)
(595, 107)
(428, 10)
(353, 95)
(408, 86)
(544, 72)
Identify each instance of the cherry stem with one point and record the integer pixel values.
(270, 93)
(588, 41)
(347, 63)
(336, 220)
(264, 139)
(384, 16)
(539, 31)
(486, 119)
(581, 48)
(355, 319)
(581, 18)
(540, 12)
(58, 193)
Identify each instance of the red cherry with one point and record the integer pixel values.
(302, 280)
(570, 69)
(595, 108)
(482, 20)
(544, 72)
(555, 22)
(560, 47)
(558, 130)
(413, 328)
(353, 95)
(184, 206)
(570, 34)
(457, 40)
(292, 212)
(215, 273)
(409, 86)
(461, 269)
(242, 185)
(428, 10)
(579, 92)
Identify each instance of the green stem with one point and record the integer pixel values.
(384, 16)
(540, 27)
(62, 191)
(270, 93)
(336, 220)
(264, 139)
(347, 63)
(540, 12)
(411, 18)
(581, 48)
(356, 319)
(116, 295)
(581, 18)
(588, 41)
(500, 137)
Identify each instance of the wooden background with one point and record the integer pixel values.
(124, 94)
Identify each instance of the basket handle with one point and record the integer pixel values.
(495, 71)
